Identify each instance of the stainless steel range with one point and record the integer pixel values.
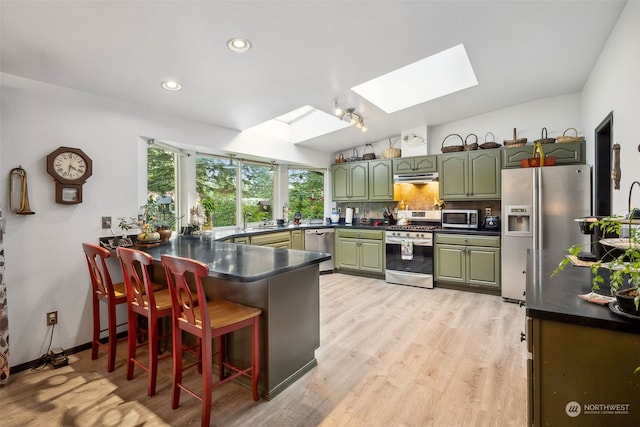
(409, 249)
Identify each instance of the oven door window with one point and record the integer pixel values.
(422, 261)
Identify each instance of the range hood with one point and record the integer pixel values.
(415, 178)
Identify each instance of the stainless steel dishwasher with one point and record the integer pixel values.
(320, 240)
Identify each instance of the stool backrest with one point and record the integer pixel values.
(136, 276)
(98, 271)
(190, 311)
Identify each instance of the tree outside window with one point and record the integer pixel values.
(306, 193)
(257, 192)
(216, 185)
(161, 185)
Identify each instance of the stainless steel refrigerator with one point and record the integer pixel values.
(539, 206)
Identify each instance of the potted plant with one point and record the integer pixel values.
(621, 259)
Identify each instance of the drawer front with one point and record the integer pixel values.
(270, 238)
(468, 240)
(360, 233)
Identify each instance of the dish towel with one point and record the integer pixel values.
(406, 249)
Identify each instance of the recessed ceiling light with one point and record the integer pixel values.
(171, 85)
(239, 45)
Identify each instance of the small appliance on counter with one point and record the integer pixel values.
(491, 222)
(460, 218)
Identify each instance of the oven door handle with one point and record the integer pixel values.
(416, 242)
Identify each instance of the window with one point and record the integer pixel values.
(161, 184)
(257, 191)
(306, 193)
(216, 183)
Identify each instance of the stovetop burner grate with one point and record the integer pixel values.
(413, 227)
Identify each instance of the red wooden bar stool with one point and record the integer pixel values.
(112, 293)
(143, 299)
(193, 314)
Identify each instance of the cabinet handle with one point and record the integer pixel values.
(521, 304)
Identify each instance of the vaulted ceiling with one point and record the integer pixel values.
(303, 53)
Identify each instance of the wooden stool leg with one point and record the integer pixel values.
(96, 327)
(111, 318)
(222, 348)
(132, 330)
(153, 342)
(255, 356)
(177, 366)
(207, 382)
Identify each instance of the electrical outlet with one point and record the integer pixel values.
(52, 318)
(487, 211)
(106, 222)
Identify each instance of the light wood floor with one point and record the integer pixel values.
(390, 356)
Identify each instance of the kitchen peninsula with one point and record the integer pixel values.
(582, 355)
(283, 283)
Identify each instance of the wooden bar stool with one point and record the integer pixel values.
(143, 299)
(111, 293)
(193, 314)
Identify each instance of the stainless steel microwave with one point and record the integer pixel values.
(460, 218)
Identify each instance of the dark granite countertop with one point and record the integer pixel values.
(479, 231)
(241, 263)
(556, 298)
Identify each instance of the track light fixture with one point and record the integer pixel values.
(350, 115)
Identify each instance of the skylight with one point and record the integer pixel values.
(300, 125)
(438, 75)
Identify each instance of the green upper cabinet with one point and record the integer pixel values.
(415, 164)
(350, 181)
(381, 180)
(565, 153)
(470, 175)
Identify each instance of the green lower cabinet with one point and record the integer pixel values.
(360, 251)
(468, 261)
(297, 240)
(280, 239)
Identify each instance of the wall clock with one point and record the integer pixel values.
(70, 168)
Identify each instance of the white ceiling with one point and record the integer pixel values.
(304, 53)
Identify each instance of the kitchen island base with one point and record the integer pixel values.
(290, 324)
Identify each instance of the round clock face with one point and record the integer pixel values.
(69, 165)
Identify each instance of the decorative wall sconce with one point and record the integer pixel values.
(350, 115)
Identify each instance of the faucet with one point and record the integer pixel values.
(630, 192)
(244, 220)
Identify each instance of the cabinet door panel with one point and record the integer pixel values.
(484, 266)
(347, 252)
(450, 263)
(426, 163)
(484, 175)
(381, 180)
(371, 259)
(403, 165)
(359, 181)
(453, 176)
(340, 181)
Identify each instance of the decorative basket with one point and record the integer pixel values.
(489, 144)
(473, 145)
(543, 139)
(541, 161)
(340, 158)
(390, 153)
(366, 155)
(566, 138)
(515, 142)
(452, 148)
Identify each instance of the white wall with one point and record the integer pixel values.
(46, 269)
(556, 114)
(614, 85)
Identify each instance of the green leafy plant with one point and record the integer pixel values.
(623, 265)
